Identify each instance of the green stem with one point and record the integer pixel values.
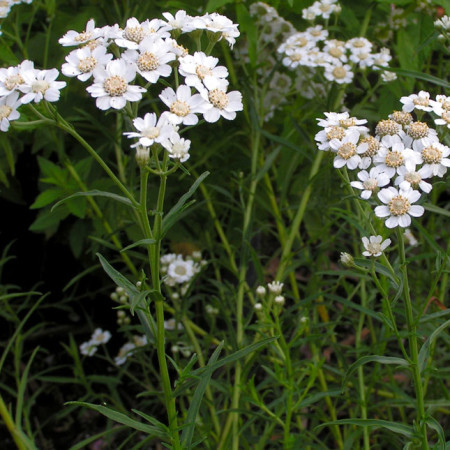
(11, 426)
(412, 340)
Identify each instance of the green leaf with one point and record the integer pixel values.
(436, 209)
(47, 197)
(419, 76)
(399, 428)
(83, 444)
(436, 426)
(136, 300)
(236, 355)
(118, 278)
(373, 358)
(47, 220)
(213, 5)
(188, 432)
(171, 217)
(94, 193)
(125, 420)
(247, 26)
(425, 350)
(53, 173)
(141, 242)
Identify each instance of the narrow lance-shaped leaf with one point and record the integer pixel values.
(96, 193)
(425, 350)
(399, 428)
(374, 358)
(188, 432)
(125, 420)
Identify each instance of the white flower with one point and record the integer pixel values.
(340, 73)
(336, 50)
(88, 348)
(40, 84)
(382, 59)
(275, 287)
(181, 271)
(435, 160)
(183, 105)
(370, 182)
(398, 207)
(317, 33)
(150, 131)
(323, 9)
(11, 78)
(359, 44)
(412, 241)
(363, 58)
(111, 85)
(198, 67)
(411, 179)
(444, 119)
(181, 21)
(135, 32)
(151, 58)
(279, 300)
(171, 324)
(82, 62)
(177, 147)
(258, 306)
(374, 245)
(419, 135)
(346, 150)
(419, 101)
(8, 110)
(100, 337)
(217, 23)
(261, 291)
(75, 38)
(125, 351)
(346, 259)
(223, 104)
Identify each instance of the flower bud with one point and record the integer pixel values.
(279, 300)
(261, 291)
(347, 259)
(258, 306)
(142, 155)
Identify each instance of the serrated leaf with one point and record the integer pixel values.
(425, 350)
(94, 193)
(374, 358)
(124, 420)
(399, 428)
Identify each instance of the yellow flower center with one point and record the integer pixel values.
(151, 133)
(414, 178)
(387, 127)
(336, 52)
(336, 133)
(431, 155)
(347, 123)
(399, 205)
(359, 43)
(401, 117)
(203, 71)
(115, 85)
(446, 116)
(134, 34)
(421, 101)
(394, 159)
(5, 111)
(12, 81)
(373, 146)
(40, 86)
(218, 98)
(180, 108)
(87, 64)
(370, 184)
(418, 130)
(84, 36)
(347, 150)
(339, 72)
(147, 62)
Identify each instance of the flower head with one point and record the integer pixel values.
(374, 245)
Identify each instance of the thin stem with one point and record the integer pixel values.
(412, 340)
(11, 426)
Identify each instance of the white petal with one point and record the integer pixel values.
(416, 210)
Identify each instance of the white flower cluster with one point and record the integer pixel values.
(178, 270)
(149, 51)
(322, 9)
(120, 296)
(129, 348)
(401, 156)
(275, 289)
(339, 59)
(6, 5)
(24, 84)
(98, 337)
